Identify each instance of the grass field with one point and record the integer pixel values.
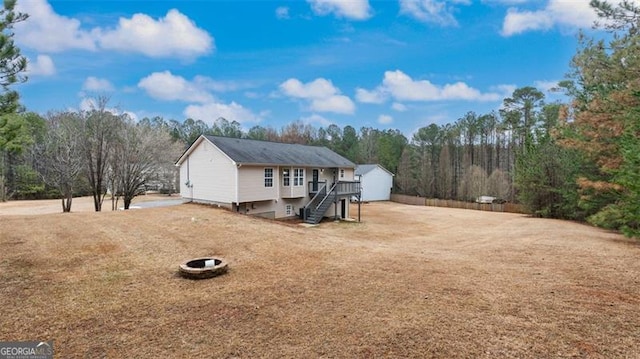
(408, 281)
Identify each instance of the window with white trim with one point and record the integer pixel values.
(286, 177)
(298, 176)
(288, 210)
(268, 177)
(341, 173)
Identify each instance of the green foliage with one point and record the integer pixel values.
(390, 145)
(609, 217)
(628, 176)
(604, 119)
(12, 63)
(28, 183)
(14, 133)
(546, 181)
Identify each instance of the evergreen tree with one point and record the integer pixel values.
(12, 65)
(603, 119)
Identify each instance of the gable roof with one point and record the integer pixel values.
(364, 169)
(245, 151)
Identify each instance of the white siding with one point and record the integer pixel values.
(211, 174)
(376, 185)
(251, 184)
(185, 184)
(349, 174)
(293, 191)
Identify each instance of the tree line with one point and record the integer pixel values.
(578, 160)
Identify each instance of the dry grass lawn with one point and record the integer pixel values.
(406, 282)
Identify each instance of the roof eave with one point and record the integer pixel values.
(190, 149)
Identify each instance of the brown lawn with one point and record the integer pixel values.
(406, 282)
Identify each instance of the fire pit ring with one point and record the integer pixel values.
(202, 268)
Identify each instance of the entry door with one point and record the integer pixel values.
(315, 177)
(343, 204)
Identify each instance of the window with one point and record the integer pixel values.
(298, 176)
(268, 177)
(288, 210)
(341, 173)
(286, 177)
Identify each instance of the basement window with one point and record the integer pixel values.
(288, 210)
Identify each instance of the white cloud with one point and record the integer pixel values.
(166, 86)
(504, 90)
(399, 107)
(42, 66)
(401, 87)
(567, 13)
(322, 95)
(220, 86)
(432, 11)
(316, 119)
(505, 2)
(517, 22)
(546, 86)
(97, 84)
(366, 96)
(550, 89)
(462, 91)
(352, 9)
(572, 13)
(282, 12)
(174, 35)
(209, 112)
(336, 103)
(318, 88)
(47, 31)
(385, 119)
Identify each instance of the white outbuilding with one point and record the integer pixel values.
(375, 182)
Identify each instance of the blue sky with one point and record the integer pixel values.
(394, 64)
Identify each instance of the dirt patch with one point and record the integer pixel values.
(408, 281)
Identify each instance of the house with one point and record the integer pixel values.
(375, 181)
(268, 179)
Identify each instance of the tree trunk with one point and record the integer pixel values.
(127, 201)
(3, 192)
(66, 203)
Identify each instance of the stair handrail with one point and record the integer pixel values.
(320, 192)
(331, 191)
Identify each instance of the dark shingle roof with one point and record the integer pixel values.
(273, 153)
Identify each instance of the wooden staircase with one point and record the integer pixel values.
(319, 204)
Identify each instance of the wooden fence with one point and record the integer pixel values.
(433, 202)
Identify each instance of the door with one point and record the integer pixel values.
(315, 176)
(343, 205)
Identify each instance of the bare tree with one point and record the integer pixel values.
(473, 183)
(100, 131)
(141, 153)
(500, 184)
(60, 156)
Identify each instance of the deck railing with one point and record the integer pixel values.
(343, 188)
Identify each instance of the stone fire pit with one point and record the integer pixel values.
(201, 268)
